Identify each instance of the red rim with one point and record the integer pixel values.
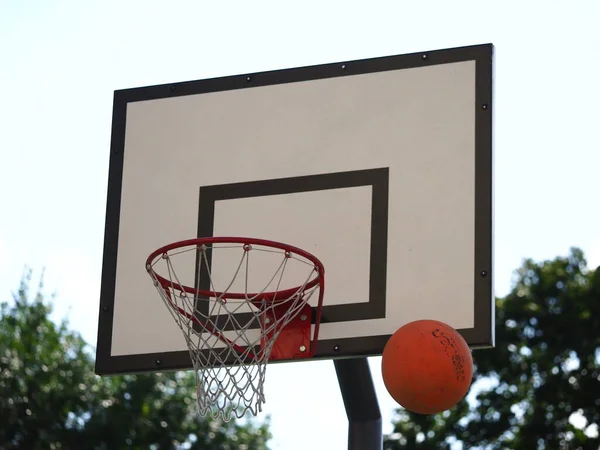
(320, 269)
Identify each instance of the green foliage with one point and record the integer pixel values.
(543, 373)
(51, 399)
(46, 377)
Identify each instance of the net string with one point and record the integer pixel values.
(229, 364)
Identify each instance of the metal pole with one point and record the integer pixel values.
(360, 400)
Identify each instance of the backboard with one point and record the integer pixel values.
(382, 168)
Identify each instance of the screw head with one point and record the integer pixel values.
(248, 79)
(336, 348)
(483, 273)
(484, 106)
(267, 320)
(105, 308)
(172, 88)
(302, 348)
(424, 56)
(343, 66)
(303, 317)
(158, 362)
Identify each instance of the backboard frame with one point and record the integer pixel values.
(481, 335)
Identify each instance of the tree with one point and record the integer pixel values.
(539, 388)
(50, 397)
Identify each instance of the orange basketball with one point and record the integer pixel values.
(427, 366)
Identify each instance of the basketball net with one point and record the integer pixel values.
(229, 329)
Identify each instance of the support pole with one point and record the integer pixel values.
(360, 400)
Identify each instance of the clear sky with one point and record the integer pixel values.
(61, 61)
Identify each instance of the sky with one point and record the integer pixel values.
(62, 60)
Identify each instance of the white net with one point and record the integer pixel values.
(231, 312)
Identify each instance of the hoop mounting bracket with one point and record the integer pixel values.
(294, 340)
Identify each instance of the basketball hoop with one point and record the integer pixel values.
(236, 317)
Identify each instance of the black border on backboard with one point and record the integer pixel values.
(378, 179)
(481, 335)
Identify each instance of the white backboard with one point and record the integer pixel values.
(381, 168)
